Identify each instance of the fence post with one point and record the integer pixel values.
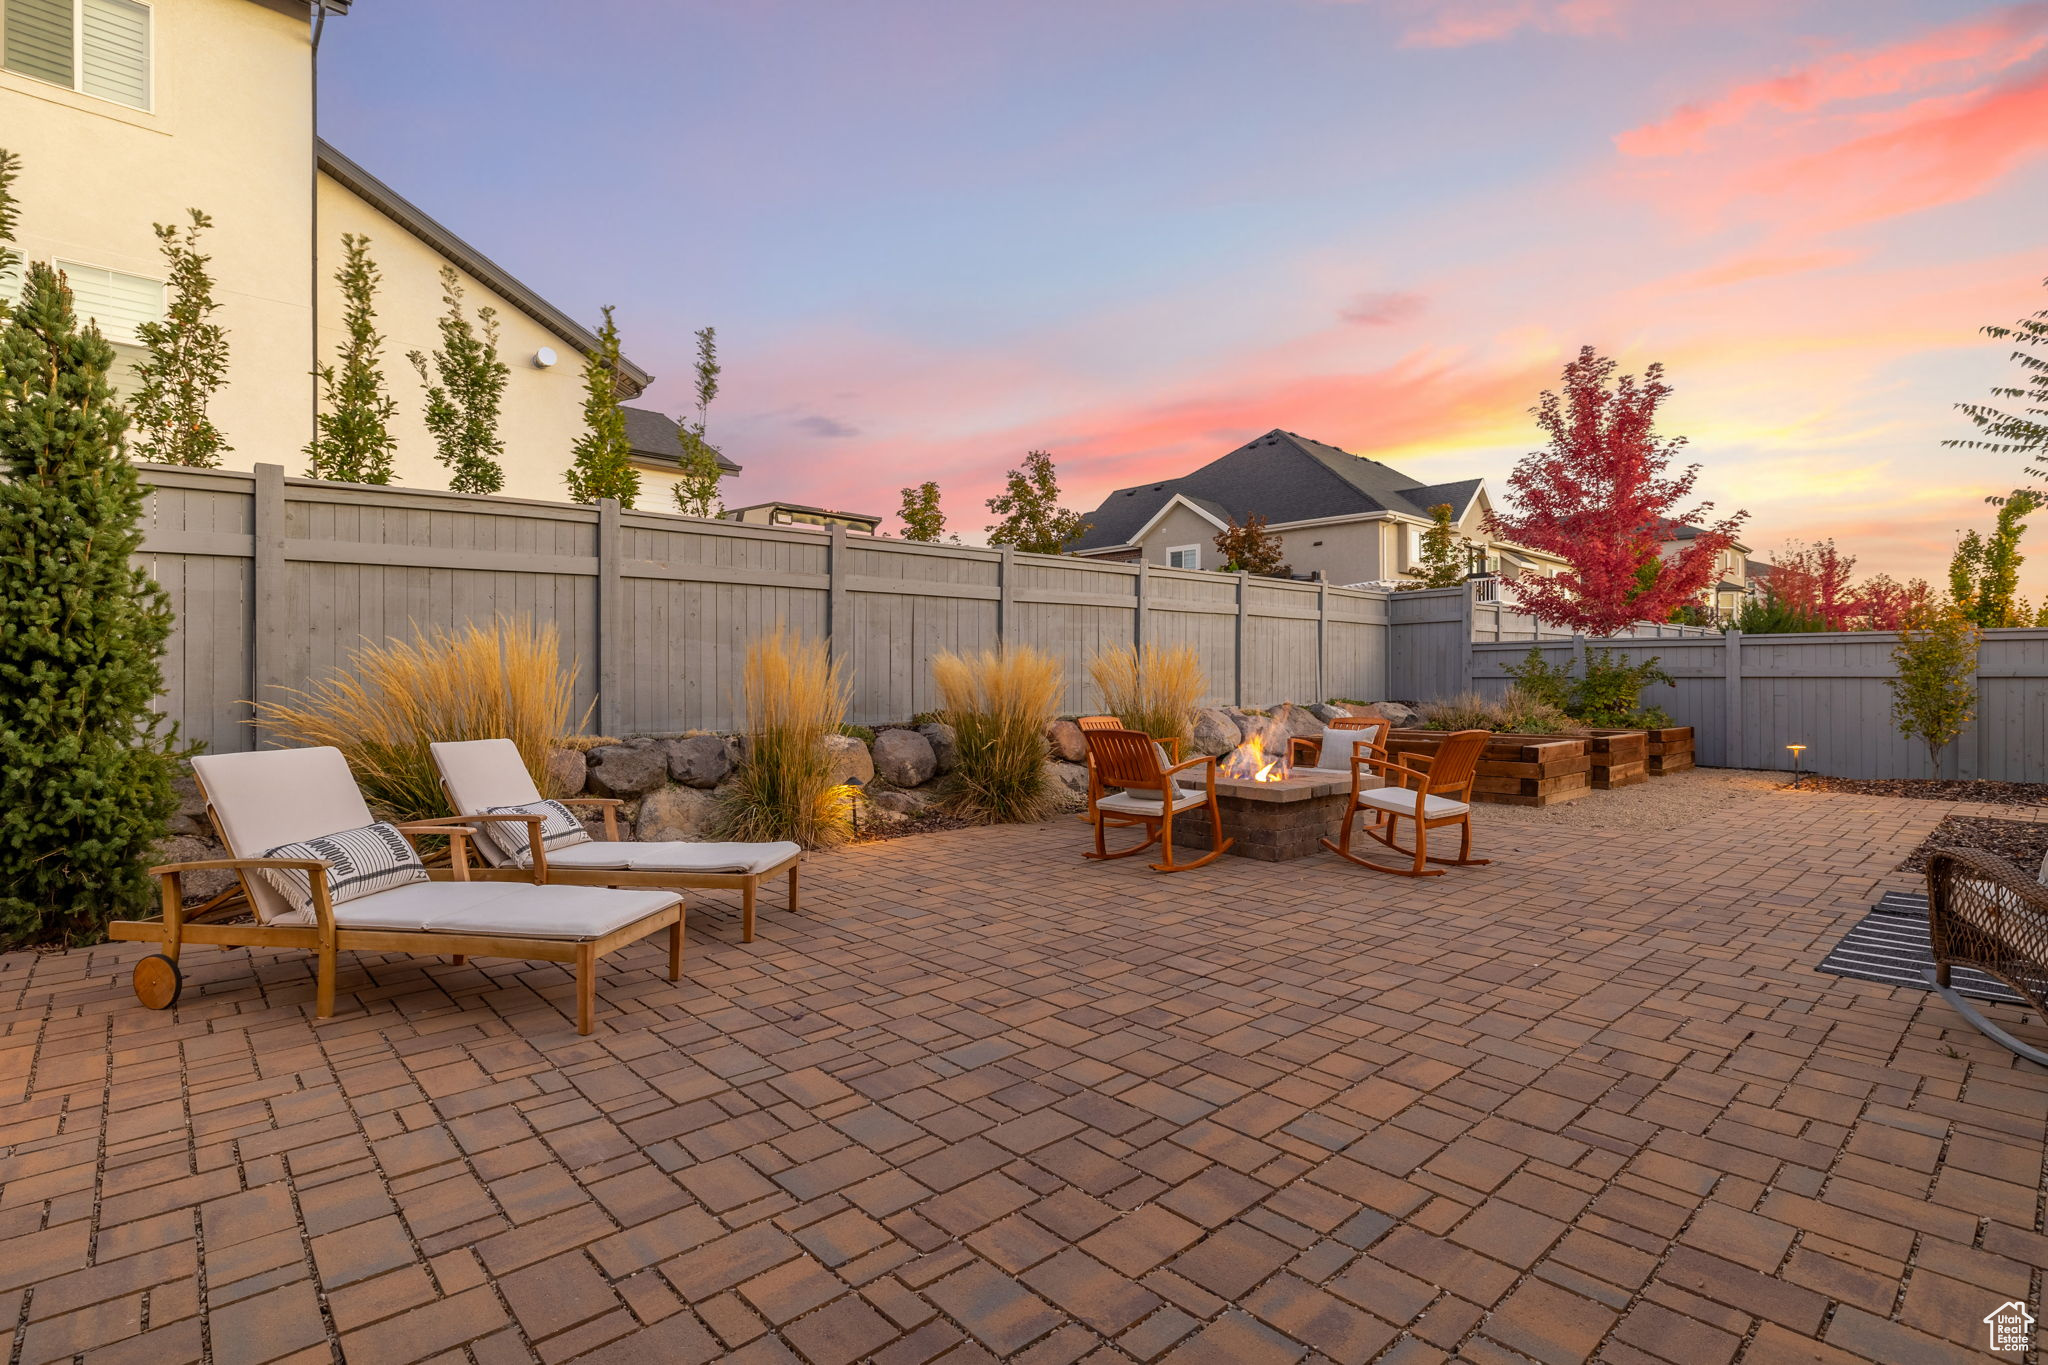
(611, 620)
(1579, 652)
(1237, 683)
(1466, 626)
(1322, 639)
(838, 629)
(268, 638)
(1006, 593)
(1731, 666)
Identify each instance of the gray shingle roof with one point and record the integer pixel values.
(1282, 477)
(653, 438)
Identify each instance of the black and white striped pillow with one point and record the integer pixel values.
(365, 861)
(560, 829)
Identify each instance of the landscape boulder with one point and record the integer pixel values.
(190, 815)
(1404, 716)
(904, 758)
(699, 760)
(1215, 732)
(1063, 739)
(1068, 783)
(903, 802)
(567, 771)
(678, 813)
(945, 744)
(1292, 721)
(626, 770)
(848, 760)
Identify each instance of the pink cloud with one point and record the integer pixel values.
(1460, 23)
(1382, 308)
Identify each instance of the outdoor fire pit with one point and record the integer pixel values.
(1275, 821)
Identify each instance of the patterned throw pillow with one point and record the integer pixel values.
(365, 861)
(561, 829)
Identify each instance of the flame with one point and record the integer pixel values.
(1249, 762)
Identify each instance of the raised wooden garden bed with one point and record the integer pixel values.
(1620, 757)
(1515, 770)
(1670, 750)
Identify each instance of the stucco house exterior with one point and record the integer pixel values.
(127, 112)
(1347, 517)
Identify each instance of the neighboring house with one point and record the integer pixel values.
(658, 455)
(1349, 518)
(795, 514)
(1734, 582)
(128, 112)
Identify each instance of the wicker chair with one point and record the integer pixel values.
(1149, 796)
(1433, 790)
(1983, 912)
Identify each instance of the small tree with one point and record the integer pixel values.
(1600, 498)
(1443, 552)
(697, 490)
(1933, 692)
(1032, 518)
(1814, 582)
(602, 459)
(2023, 432)
(920, 514)
(1887, 604)
(1251, 548)
(462, 408)
(85, 759)
(352, 440)
(187, 362)
(1984, 575)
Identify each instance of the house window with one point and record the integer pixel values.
(118, 303)
(1184, 557)
(98, 47)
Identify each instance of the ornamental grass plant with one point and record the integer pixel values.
(999, 703)
(794, 695)
(1152, 689)
(505, 680)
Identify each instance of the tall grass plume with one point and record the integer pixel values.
(505, 680)
(999, 703)
(794, 695)
(1152, 689)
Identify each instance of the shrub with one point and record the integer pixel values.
(1465, 711)
(1543, 680)
(795, 695)
(1609, 697)
(85, 760)
(501, 681)
(1151, 689)
(859, 732)
(1523, 712)
(999, 704)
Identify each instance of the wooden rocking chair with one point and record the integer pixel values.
(1342, 738)
(1433, 791)
(1087, 723)
(1134, 762)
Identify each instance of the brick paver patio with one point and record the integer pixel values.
(987, 1101)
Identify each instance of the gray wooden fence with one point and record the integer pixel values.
(277, 580)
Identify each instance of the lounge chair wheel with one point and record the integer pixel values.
(157, 982)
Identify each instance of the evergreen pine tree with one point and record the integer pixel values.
(696, 492)
(352, 440)
(602, 459)
(85, 761)
(188, 359)
(462, 410)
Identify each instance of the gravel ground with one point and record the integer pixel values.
(1661, 803)
(2022, 843)
(1924, 789)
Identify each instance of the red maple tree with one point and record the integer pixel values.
(1813, 580)
(1884, 603)
(1601, 498)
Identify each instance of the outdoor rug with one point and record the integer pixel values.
(1889, 945)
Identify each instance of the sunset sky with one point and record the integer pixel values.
(934, 234)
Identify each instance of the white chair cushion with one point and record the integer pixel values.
(361, 862)
(1339, 745)
(514, 909)
(1148, 803)
(479, 774)
(1401, 801)
(269, 797)
(676, 856)
(559, 829)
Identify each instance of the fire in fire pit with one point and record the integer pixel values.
(1249, 761)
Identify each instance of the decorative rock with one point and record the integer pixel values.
(700, 760)
(1404, 716)
(1326, 712)
(848, 759)
(1296, 722)
(1068, 783)
(1063, 739)
(903, 802)
(567, 771)
(626, 770)
(945, 744)
(905, 758)
(185, 848)
(678, 813)
(1215, 732)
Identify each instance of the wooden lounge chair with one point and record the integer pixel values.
(1435, 791)
(484, 775)
(1341, 738)
(1136, 763)
(274, 798)
(1983, 912)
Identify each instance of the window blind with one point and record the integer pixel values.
(118, 303)
(39, 39)
(116, 51)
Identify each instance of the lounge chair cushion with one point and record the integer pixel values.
(267, 797)
(675, 856)
(1401, 801)
(560, 829)
(362, 862)
(511, 909)
(1149, 803)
